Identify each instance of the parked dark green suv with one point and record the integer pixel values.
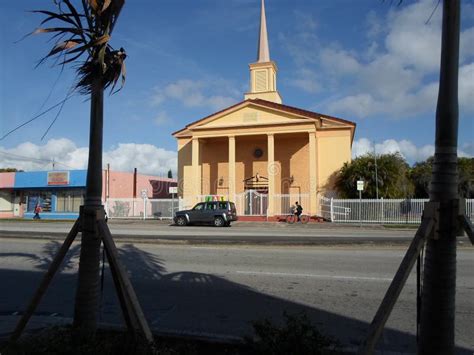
(218, 213)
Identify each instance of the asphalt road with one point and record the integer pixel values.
(219, 290)
(239, 233)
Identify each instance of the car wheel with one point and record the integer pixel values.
(219, 222)
(181, 221)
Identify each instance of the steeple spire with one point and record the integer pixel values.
(263, 49)
(263, 72)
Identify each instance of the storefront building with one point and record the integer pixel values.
(61, 193)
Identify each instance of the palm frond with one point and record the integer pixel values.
(85, 35)
(114, 64)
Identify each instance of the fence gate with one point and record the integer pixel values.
(254, 203)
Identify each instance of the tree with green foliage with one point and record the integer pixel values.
(9, 170)
(466, 177)
(392, 177)
(421, 174)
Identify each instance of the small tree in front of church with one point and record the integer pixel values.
(392, 177)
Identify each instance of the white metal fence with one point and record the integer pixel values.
(252, 203)
(139, 208)
(389, 211)
(283, 203)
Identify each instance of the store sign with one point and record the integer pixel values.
(58, 177)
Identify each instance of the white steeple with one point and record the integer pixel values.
(263, 72)
(263, 49)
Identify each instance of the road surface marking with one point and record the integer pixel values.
(315, 276)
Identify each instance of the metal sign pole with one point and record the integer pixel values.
(360, 187)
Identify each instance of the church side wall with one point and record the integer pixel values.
(292, 155)
(246, 165)
(215, 167)
(334, 149)
(185, 167)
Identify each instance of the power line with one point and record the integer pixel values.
(39, 160)
(34, 118)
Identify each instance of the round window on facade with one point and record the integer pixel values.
(258, 153)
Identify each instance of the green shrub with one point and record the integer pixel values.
(296, 336)
(66, 340)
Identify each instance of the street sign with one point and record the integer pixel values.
(360, 185)
(144, 193)
(173, 189)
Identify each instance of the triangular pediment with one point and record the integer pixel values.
(249, 114)
(258, 112)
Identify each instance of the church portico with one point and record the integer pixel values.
(273, 164)
(259, 153)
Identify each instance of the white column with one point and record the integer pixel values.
(271, 173)
(231, 168)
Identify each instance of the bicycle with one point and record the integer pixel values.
(292, 218)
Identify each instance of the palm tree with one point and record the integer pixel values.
(442, 222)
(437, 327)
(82, 37)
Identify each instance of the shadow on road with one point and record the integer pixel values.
(184, 302)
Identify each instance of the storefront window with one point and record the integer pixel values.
(42, 199)
(69, 201)
(6, 201)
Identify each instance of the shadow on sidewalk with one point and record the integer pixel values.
(184, 302)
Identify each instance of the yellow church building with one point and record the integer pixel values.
(261, 154)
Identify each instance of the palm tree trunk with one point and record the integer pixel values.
(439, 281)
(87, 294)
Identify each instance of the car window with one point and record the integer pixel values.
(222, 205)
(211, 206)
(199, 207)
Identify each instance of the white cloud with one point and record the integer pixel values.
(413, 41)
(214, 94)
(339, 61)
(395, 75)
(466, 87)
(306, 80)
(147, 158)
(360, 105)
(406, 148)
(468, 149)
(409, 150)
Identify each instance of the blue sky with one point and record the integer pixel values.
(373, 63)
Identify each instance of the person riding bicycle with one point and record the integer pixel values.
(298, 210)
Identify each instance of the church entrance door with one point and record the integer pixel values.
(255, 203)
